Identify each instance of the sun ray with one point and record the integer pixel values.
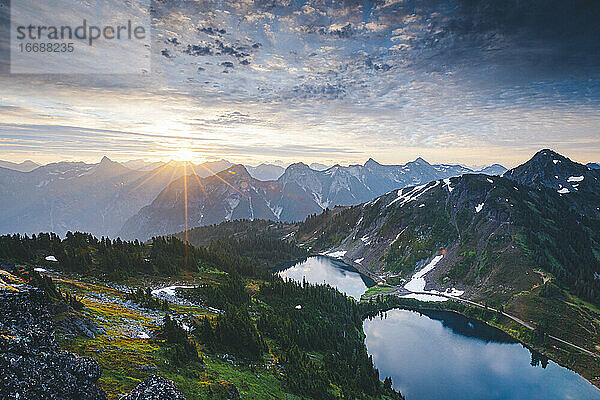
(195, 175)
(185, 200)
(216, 175)
(148, 178)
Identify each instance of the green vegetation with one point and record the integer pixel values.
(265, 243)
(313, 351)
(319, 345)
(40, 281)
(332, 227)
(427, 232)
(118, 260)
(327, 324)
(144, 298)
(181, 349)
(378, 289)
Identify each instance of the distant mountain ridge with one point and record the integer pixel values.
(299, 192)
(266, 172)
(593, 165)
(24, 166)
(65, 196)
(100, 198)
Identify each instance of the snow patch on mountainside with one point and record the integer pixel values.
(417, 284)
(447, 183)
(319, 200)
(336, 254)
(412, 194)
(232, 202)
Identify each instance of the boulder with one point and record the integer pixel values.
(155, 388)
(32, 364)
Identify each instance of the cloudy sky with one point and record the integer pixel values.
(469, 81)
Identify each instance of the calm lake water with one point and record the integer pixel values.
(444, 355)
(320, 269)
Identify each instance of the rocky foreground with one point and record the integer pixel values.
(32, 364)
(155, 388)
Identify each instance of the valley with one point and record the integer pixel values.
(300, 200)
(211, 316)
(514, 245)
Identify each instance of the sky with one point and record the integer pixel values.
(465, 81)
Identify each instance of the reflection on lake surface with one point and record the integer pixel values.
(320, 269)
(447, 356)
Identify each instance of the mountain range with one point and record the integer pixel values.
(65, 196)
(491, 233)
(299, 192)
(526, 243)
(24, 166)
(138, 199)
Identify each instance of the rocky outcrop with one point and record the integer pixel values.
(77, 324)
(32, 364)
(155, 388)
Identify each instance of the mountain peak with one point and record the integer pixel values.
(420, 160)
(549, 169)
(237, 170)
(25, 166)
(494, 169)
(547, 153)
(299, 166)
(371, 163)
(318, 166)
(106, 165)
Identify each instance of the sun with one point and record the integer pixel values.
(183, 154)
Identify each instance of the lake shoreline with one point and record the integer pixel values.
(431, 336)
(516, 332)
(519, 333)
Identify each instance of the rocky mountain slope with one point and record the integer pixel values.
(77, 196)
(579, 183)
(34, 317)
(32, 364)
(299, 192)
(229, 195)
(155, 388)
(493, 233)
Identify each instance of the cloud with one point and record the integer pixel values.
(389, 79)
